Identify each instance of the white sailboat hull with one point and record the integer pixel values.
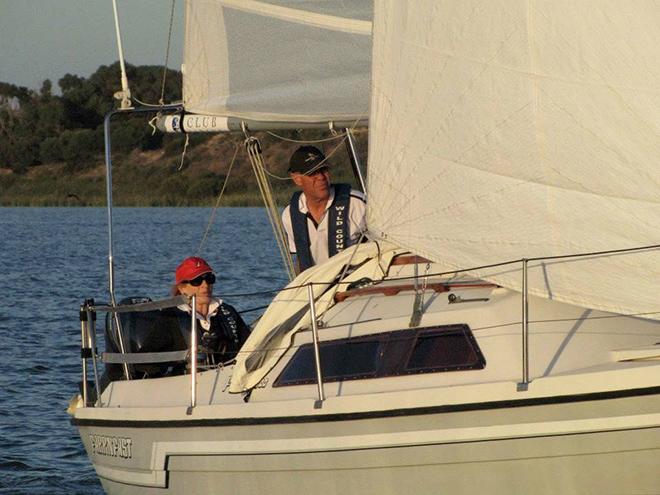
(583, 445)
(588, 421)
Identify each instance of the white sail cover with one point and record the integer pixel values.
(509, 129)
(278, 60)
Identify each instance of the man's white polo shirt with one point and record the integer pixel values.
(318, 234)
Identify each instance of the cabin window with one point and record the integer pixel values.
(403, 352)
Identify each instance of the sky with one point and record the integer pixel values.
(46, 39)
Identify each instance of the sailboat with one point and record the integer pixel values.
(500, 331)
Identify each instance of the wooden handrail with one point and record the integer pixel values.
(392, 290)
(408, 259)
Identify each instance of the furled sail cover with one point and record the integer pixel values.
(278, 60)
(504, 129)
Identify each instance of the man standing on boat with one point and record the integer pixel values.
(322, 219)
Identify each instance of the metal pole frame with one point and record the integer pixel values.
(317, 355)
(193, 355)
(84, 352)
(524, 384)
(91, 335)
(108, 194)
(125, 91)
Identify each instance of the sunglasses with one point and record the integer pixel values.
(209, 278)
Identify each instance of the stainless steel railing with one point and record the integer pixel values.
(88, 331)
(89, 350)
(317, 354)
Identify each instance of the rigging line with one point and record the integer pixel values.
(517, 261)
(348, 265)
(217, 202)
(323, 163)
(344, 137)
(183, 153)
(306, 141)
(253, 149)
(336, 135)
(452, 272)
(144, 104)
(277, 221)
(167, 54)
(275, 176)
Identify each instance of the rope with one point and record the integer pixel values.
(256, 159)
(335, 289)
(183, 153)
(323, 163)
(306, 141)
(145, 104)
(275, 176)
(332, 152)
(167, 55)
(335, 136)
(217, 203)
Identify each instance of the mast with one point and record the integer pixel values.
(125, 94)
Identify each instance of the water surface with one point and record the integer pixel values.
(51, 259)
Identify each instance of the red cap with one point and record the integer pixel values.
(191, 268)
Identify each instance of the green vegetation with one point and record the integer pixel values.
(52, 151)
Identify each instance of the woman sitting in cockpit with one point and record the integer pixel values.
(221, 330)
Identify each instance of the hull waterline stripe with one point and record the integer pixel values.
(451, 408)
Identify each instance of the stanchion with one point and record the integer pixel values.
(317, 355)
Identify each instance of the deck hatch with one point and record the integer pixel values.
(402, 352)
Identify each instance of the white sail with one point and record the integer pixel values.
(278, 60)
(533, 130)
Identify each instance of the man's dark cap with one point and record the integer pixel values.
(305, 159)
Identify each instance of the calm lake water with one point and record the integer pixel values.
(51, 259)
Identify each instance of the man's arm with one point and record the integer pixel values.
(288, 229)
(357, 215)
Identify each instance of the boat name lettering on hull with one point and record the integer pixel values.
(112, 446)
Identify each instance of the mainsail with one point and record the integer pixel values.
(509, 129)
(278, 60)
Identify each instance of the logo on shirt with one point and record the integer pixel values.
(339, 232)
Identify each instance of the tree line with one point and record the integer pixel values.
(38, 127)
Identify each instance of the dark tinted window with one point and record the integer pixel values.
(403, 352)
(342, 359)
(442, 350)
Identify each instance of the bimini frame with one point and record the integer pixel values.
(173, 119)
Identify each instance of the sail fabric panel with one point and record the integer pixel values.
(509, 129)
(289, 312)
(284, 61)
